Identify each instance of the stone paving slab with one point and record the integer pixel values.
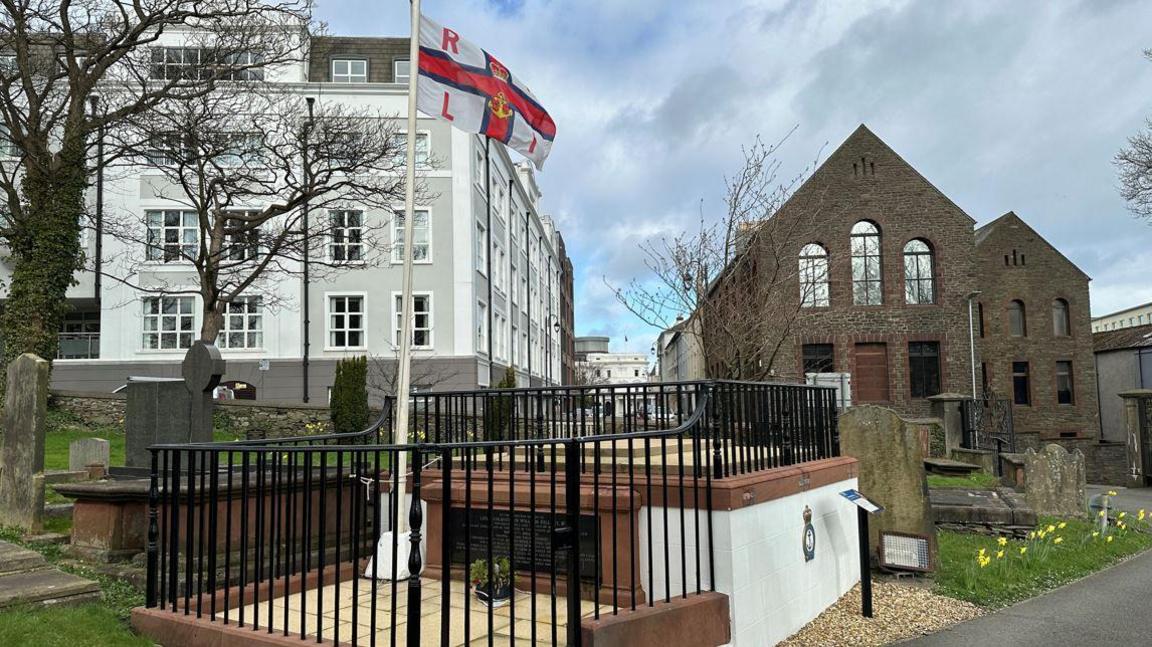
(47, 585)
(16, 559)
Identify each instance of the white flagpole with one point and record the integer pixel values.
(399, 534)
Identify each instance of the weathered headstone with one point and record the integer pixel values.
(172, 410)
(22, 453)
(1054, 481)
(891, 471)
(86, 452)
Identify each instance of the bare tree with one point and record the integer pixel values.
(54, 56)
(585, 374)
(426, 376)
(262, 178)
(737, 276)
(1134, 164)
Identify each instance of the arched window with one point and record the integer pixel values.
(866, 284)
(919, 286)
(813, 276)
(1060, 324)
(1017, 320)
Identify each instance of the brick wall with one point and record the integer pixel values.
(864, 179)
(1016, 263)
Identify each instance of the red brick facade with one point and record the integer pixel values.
(865, 180)
(1014, 263)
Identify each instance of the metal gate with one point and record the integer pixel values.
(987, 424)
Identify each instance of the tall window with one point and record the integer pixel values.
(1017, 319)
(1060, 323)
(349, 70)
(191, 63)
(243, 241)
(8, 148)
(401, 70)
(867, 287)
(238, 148)
(167, 149)
(924, 368)
(481, 249)
(421, 320)
(819, 358)
(243, 324)
(173, 235)
(1064, 390)
(980, 314)
(423, 149)
(482, 327)
(347, 242)
(169, 322)
(1021, 383)
(346, 322)
(919, 286)
(421, 237)
(813, 276)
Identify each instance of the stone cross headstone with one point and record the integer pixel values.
(172, 410)
(1054, 481)
(22, 453)
(891, 471)
(86, 452)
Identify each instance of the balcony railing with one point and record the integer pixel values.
(79, 345)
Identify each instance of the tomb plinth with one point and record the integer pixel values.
(522, 520)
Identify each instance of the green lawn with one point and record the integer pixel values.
(1059, 556)
(974, 481)
(88, 624)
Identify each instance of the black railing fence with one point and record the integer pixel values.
(589, 508)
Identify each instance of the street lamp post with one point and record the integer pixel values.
(98, 263)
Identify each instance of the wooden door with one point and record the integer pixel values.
(871, 379)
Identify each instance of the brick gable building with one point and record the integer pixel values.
(888, 267)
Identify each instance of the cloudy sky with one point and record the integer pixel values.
(1002, 105)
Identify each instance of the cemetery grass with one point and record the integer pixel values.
(1020, 569)
(974, 481)
(103, 622)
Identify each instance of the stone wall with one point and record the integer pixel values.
(1104, 463)
(256, 419)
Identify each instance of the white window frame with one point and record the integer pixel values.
(345, 242)
(478, 169)
(396, 76)
(423, 148)
(398, 235)
(482, 328)
(430, 328)
(250, 144)
(329, 313)
(191, 333)
(245, 314)
(348, 75)
(481, 248)
(158, 253)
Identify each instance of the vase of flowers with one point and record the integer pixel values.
(493, 587)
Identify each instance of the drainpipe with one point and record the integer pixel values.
(305, 301)
(972, 342)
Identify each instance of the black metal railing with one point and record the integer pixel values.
(594, 517)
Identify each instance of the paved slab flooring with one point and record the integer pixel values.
(330, 612)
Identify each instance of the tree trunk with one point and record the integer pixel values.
(44, 253)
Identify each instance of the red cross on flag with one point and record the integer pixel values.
(467, 86)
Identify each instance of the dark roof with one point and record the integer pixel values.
(1134, 337)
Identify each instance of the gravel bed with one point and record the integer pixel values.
(901, 611)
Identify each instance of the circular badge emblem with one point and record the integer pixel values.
(809, 536)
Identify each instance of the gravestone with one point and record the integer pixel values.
(22, 453)
(86, 452)
(1054, 481)
(891, 471)
(172, 410)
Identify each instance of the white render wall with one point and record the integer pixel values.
(760, 563)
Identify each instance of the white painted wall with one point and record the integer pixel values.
(760, 563)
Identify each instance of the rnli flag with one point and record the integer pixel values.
(467, 86)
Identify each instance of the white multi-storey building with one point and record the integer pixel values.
(1127, 318)
(487, 281)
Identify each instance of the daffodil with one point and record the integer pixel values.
(1031, 534)
(1111, 492)
(1101, 513)
(981, 553)
(1062, 525)
(1003, 541)
(1057, 540)
(1050, 528)
(999, 554)
(1140, 515)
(1023, 549)
(1095, 534)
(1109, 539)
(1121, 515)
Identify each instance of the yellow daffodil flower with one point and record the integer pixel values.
(1121, 515)
(999, 554)
(1140, 515)
(1023, 549)
(1050, 528)
(1062, 525)
(1109, 539)
(1003, 541)
(1096, 534)
(1111, 492)
(1057, 540)
(1101, 513)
